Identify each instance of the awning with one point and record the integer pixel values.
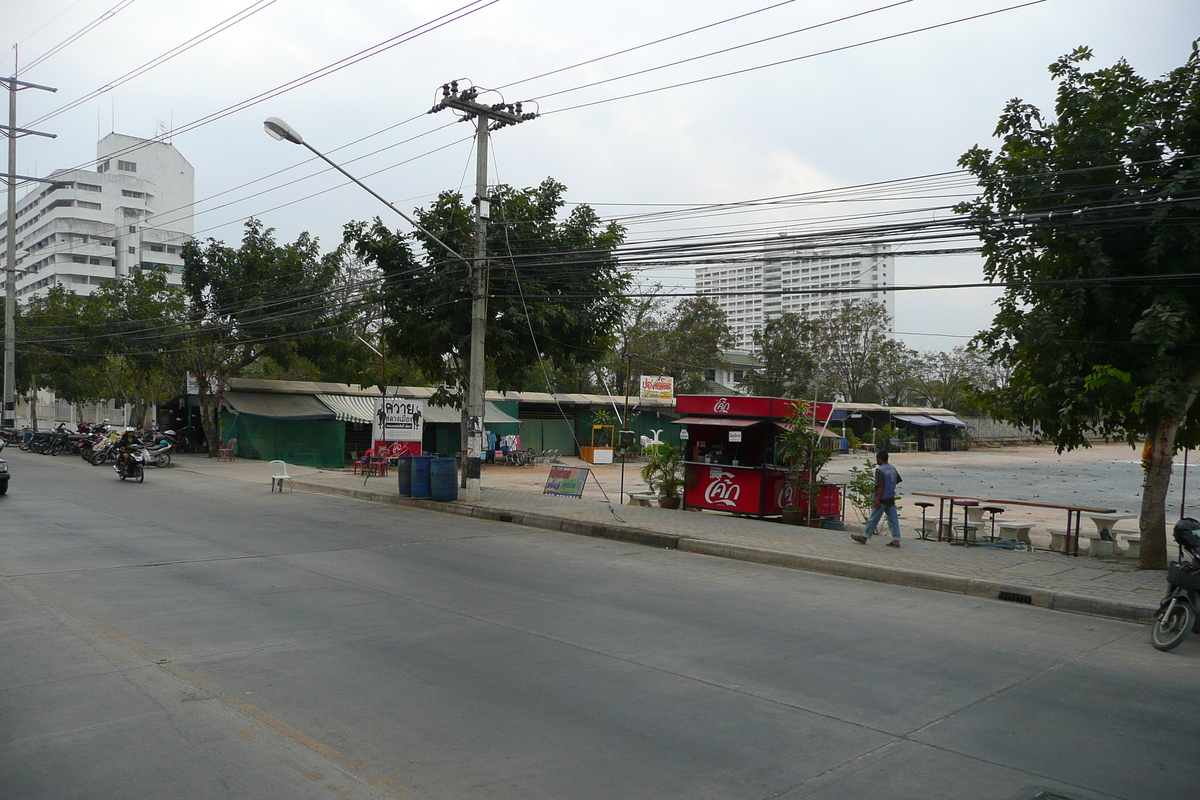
(949, 419)
(787, 426)
(913, 419)
(349, 408)
(451, 415)
(279, 406)
(720, 422)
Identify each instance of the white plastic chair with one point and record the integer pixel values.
(279, 474)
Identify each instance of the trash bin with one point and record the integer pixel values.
(420, 477)
(404, 475)
(443, 479)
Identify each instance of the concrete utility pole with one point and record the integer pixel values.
(9, 419)
(487, 118)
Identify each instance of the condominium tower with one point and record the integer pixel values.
(794, 276)
(133, 212)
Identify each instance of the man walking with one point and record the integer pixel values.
(886, 478)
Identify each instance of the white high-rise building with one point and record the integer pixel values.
(793, 276)
(133, 212)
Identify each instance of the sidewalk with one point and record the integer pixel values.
(511, 494)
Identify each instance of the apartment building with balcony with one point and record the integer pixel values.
(792, 275)
(132, 212)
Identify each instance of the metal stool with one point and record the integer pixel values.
(923, 533)
(993, 510)
(967, 528)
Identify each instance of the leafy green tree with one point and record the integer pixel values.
(250, 301)
(1088, 217)
(683, 339)
(858, 348)
(555, 287)
(789, 348)
(948, 379)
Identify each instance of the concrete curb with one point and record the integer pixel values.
(879, 573)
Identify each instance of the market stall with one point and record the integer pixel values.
(729, 455)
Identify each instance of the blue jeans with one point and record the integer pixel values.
(893, 520)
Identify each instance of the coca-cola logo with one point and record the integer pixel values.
(723, 491)
(787, 493)
(721, 406)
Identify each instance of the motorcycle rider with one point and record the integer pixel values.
(125, 446)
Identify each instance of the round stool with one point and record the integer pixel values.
(993, 510)
(923, 533)
(966, 540)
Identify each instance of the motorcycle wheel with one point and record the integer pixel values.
(23, 446)
(162, 460)
(56, 448)
(139, 474)
(97, 458)
(1173, 626)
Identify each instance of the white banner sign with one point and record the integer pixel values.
(398, 419)
(657, 387)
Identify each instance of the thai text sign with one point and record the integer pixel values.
(566, 481)
(657, 387)
(398, 419)
(723, 488)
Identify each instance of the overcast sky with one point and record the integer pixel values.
(902, 107)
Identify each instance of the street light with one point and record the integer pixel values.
(278, 129)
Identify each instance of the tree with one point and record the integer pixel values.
(244, 302)
(946, 380)
(121, 342)
(1088, 218)
(789, 348)
(555, 288)
(858, 348)
(680, 338)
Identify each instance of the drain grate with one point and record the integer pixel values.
(505, 518)
(1051, 796)
(1016, 597)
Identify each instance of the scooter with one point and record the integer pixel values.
(1176, 616)
(159, 455)
(134, 465)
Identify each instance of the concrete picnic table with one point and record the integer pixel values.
(1074, 514)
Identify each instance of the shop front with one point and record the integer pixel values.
(729, 455)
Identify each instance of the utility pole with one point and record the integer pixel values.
(9, 418)
(487, 118)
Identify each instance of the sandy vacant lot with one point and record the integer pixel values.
(1103, 476)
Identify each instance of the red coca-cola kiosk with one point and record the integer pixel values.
(729, 455)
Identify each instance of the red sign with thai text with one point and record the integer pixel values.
(723, 488)
(740, 406)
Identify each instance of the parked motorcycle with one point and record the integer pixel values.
(159, 455)
(1176, 617)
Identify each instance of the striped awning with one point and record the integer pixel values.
(349, 408)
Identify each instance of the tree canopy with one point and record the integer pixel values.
(555, 290)
(251, 301)
(1089, 217)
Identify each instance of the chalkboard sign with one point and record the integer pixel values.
(566, 481)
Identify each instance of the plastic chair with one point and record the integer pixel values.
(364, 461)
(279, 474)
(226, 453)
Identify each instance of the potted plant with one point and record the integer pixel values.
(800, 449)
(663, 473)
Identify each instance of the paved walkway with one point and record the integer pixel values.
(1110, 588)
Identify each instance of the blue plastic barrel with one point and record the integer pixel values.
(404, 475)
(443, 479)
(420, 477)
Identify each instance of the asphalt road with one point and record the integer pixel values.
(192, 637)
